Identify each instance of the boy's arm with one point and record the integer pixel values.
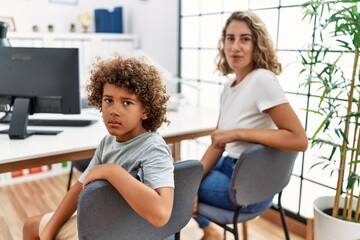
(155, 206)
(63, 212)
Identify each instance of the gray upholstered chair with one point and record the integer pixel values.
(260, 173)
(103, 214)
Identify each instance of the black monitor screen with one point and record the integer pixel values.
(38, 80)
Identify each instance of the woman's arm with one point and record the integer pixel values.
(211, 156)
(290, 134)
(64, 211)
(155, 206)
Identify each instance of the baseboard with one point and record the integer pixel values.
(294, 226)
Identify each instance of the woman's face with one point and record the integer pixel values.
(239, 46)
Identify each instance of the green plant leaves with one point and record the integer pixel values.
(336, 88)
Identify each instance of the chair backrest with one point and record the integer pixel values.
(103, 214)
(81, 165)
(260, 172)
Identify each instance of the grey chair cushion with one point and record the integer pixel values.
(224, 216)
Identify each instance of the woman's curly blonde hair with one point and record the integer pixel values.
(139, 78)
(264, 51)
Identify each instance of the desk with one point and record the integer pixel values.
(76, 143)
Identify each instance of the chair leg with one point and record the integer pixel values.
(70, 177)
(245, 230)
(236, 232)
(235, 227)
(177, 236)
(283, 220)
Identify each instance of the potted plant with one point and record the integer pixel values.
(72, 27)
(51, 28)
(338, 38)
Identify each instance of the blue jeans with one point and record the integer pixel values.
(214, 190)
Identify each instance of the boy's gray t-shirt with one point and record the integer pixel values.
(147, 155)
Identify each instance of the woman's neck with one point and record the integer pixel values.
(241, 75)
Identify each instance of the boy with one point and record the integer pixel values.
(132, 98)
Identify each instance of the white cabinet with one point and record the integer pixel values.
(90, 45)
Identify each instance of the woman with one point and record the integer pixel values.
(253, 109)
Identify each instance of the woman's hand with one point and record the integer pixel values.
(215, 140)
(219, 138)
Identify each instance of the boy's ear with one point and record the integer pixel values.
(145, 115)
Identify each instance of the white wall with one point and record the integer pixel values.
(155, 22)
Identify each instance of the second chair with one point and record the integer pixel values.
(260, 173)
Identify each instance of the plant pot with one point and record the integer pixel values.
(327, 227)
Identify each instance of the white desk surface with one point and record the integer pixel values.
(186, 123)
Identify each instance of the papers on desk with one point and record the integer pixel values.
(175, 102)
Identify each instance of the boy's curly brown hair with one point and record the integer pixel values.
(139, 78)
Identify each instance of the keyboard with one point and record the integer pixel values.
(61, 122)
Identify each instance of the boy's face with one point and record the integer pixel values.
(123, 113)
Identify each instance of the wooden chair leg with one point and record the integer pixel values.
(245, 230)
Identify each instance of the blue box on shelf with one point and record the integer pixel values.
(109, 22)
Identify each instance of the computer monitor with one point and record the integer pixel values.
(38, 80)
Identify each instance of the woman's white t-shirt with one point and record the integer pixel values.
(243, 105)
